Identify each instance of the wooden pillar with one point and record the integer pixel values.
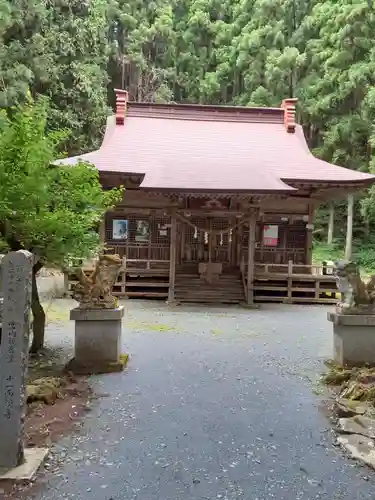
(289, 299)
(309, 235)
(349, 228)
(331, 221)
(172, 260)
(250, 257)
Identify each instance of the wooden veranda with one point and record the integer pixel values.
(166, 262)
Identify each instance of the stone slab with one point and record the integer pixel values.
(360, 447)
(79, 314)
(349, 408)
(34, 458)
(16, 282)
(1, 312)
(352, 319)
(358, 424)
(1, 276)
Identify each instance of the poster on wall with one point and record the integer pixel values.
(163, 230)
(142, 232)
(270, 236)
(120, 229)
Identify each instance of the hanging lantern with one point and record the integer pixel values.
(206, 237)
(195, 233)
(230, 236)
(221, 239)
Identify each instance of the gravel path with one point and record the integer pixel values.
(216, 404)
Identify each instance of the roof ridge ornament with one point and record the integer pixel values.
(289, 107)
(121, 102)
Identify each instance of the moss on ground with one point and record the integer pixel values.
(356, 384)
(46, 389)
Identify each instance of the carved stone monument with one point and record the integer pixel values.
(354, 317)
(14, 347)
(98, 320)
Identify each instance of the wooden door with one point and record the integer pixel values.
(217, 245)
(194, 248)
(222, 241)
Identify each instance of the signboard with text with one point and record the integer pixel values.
(270, 236)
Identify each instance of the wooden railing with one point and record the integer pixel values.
(140, 251)
(279, 255)
(295, 283)
(146, 264)
(293, 269)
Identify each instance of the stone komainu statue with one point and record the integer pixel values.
(357, 297)
(95, 291)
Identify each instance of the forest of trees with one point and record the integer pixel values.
(242, 52)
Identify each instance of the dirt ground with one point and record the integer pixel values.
(47, 423)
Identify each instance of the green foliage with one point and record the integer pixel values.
(52, 211)
(58, 49)
(322, 252)
(241, 52)
(363, 253)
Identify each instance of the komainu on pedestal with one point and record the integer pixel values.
(354, 318)
(357, 297)
(98, 320)
(95, 291)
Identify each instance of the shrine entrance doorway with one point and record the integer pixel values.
(210, 239)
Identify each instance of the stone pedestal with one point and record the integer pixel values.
(354, 338)
(97, 341)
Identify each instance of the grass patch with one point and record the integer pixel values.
(154, 327)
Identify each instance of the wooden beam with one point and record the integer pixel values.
(349, 228)
(172, 260)
(331, 221)
(250, 257)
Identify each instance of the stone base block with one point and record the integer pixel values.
(34, 458)
(173, 303)
(245, 305)
(353, 339)
(89, 368)
(97, 336)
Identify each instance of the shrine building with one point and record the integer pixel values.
(219, 202)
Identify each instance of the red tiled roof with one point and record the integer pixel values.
(191, 147)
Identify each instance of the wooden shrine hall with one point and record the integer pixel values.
(219, 202)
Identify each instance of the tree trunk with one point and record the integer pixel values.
(349, 228)
(39, 317)
(331, 222)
